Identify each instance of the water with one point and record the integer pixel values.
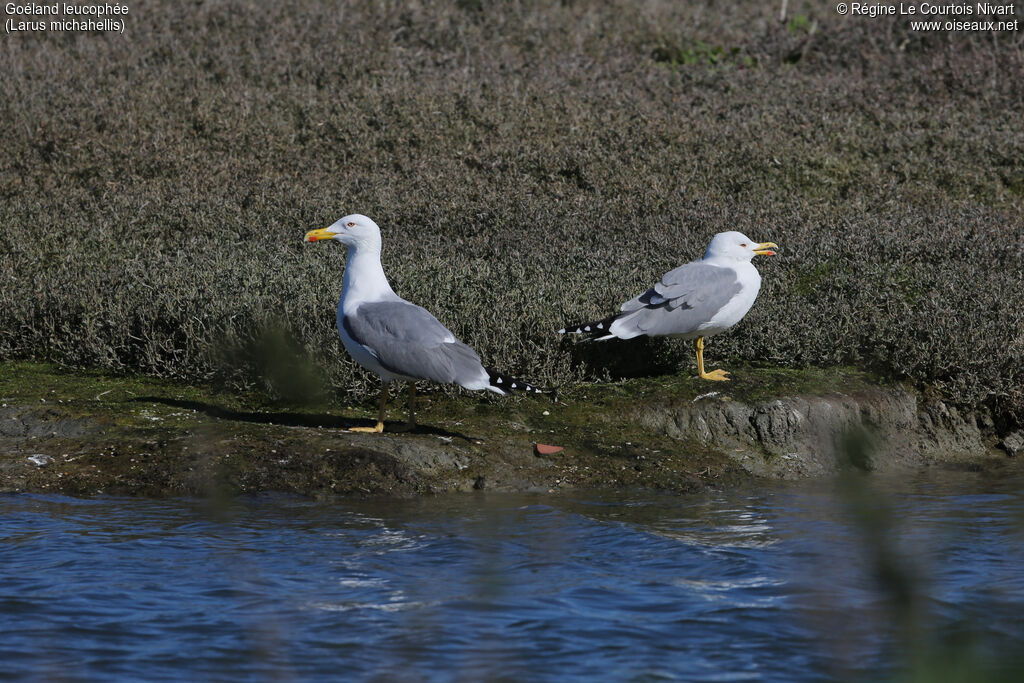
(866, 578)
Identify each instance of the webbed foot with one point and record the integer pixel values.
(715, 375)
(368, 430)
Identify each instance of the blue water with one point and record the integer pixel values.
(864, 578)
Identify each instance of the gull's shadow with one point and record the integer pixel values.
(290, 419)
(622, 359)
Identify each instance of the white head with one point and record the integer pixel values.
(355, 230)
(735, 246)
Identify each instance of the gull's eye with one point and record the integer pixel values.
(352, 225)
(742, 245)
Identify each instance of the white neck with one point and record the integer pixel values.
(745, 269)
(725, 260)
(364, 278)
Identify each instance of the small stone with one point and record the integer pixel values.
(40, 460)
(1013, 444)
(546, 412)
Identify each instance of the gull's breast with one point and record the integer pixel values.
(360, 353)
(738, 306)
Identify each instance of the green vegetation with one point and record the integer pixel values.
(701, 54)
(530, 165)
(799, 24)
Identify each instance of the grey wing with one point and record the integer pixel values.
(686, 298)
(407, 340)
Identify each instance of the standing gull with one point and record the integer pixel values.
(696, 300)
(392, 337)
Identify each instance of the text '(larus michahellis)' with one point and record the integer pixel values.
(696, 300)
(396, 339)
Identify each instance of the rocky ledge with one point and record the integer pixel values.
(89, 433)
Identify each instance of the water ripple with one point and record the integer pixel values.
(781, 582)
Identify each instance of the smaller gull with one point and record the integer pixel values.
(392, 337)
(696, 300)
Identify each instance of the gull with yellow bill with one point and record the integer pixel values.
(694, 301)
(396, 339)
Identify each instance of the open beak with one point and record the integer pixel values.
(763, 249)
(317, 235)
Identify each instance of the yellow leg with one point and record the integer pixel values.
(380, 415)
(411, 423)
(715, 375)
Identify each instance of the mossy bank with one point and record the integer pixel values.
(90, 433)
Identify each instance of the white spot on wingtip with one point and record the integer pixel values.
(499, 380)
(587, 328)
(513, 385)
(600, 326)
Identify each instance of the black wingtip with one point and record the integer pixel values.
(509, 384)
(591, 330)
